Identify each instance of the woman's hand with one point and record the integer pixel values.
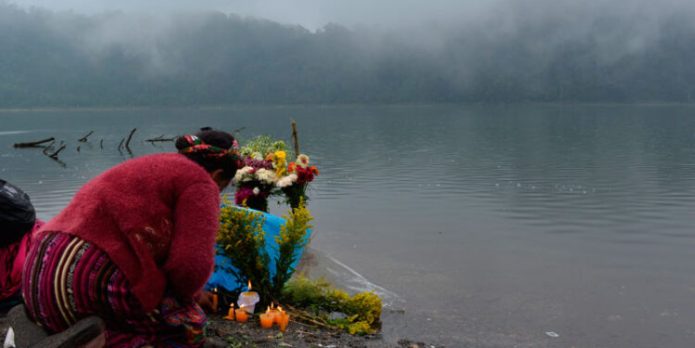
(204, 300)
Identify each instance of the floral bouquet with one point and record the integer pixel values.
(294, 184)
(266, 172)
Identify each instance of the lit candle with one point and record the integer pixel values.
(273, 313)
(230, 313)
(283, 319)
(248, 299)
(267, 319)
(241, 315)
(214, 300)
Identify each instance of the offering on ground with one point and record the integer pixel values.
(215, 300)
(267, 319)
(248, 299)
(241, 315)
(283, 319)
(230, 313)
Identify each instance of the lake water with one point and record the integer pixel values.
(489, 225)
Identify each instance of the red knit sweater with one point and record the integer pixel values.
(156, 217)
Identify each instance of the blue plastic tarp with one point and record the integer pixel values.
(271, 227)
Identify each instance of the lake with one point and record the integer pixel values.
(483, 226)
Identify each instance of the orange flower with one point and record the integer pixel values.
(314, 170)
(291, 167)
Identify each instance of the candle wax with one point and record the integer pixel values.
(214, 302)
(241, 315)
(230, 313)
(266, 320)
(283, 319)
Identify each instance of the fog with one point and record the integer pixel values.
(385, 14)
(312, 14)
(355, 51)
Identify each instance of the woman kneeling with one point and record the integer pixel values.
(135, 247)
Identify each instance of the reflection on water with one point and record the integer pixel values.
(493, 224)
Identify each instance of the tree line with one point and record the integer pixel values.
(66, 59)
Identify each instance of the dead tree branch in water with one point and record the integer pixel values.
(160, 138)
(34, 143)
(54, 155)
(295, 138)
(48, 148)
(130, 136)
(84, 138)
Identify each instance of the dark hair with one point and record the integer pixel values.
(217, 138)
(17, 215)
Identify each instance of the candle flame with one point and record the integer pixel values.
(267, 310)
(249, 284)
(280, 308)
(214, 290)
(231, 305)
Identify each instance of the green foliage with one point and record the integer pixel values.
(363, 310)
(262, 145)
(290, 240)
(242, 240)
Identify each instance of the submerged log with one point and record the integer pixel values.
(84, 138)
(55, 154)
(160, 138)
(130, 136)
(34, 143)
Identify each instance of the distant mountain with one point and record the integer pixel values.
(66, 59)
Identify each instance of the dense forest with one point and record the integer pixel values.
(116, 59)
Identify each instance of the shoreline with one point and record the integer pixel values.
(222, 333)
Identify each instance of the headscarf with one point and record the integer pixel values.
(196, 145)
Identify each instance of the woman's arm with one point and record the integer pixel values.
(191, 254)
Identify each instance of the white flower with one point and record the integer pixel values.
(256, 191)
(286, 181)
(257, 156)
(303, 160)
(266, 176)
(243, 174)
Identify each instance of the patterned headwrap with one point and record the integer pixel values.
(196, 145)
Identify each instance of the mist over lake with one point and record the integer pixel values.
(130, 54)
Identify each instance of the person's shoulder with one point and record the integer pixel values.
(170, 162)
(162, 167)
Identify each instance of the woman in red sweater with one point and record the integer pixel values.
(135, 247)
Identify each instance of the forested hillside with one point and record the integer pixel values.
(115, 59)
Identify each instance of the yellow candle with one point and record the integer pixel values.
(215, 300)
(283, 319)
(273, 313)
(230, 313)
(241, 315)
(266, 320)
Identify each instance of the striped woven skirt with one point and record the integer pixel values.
(67, 279)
